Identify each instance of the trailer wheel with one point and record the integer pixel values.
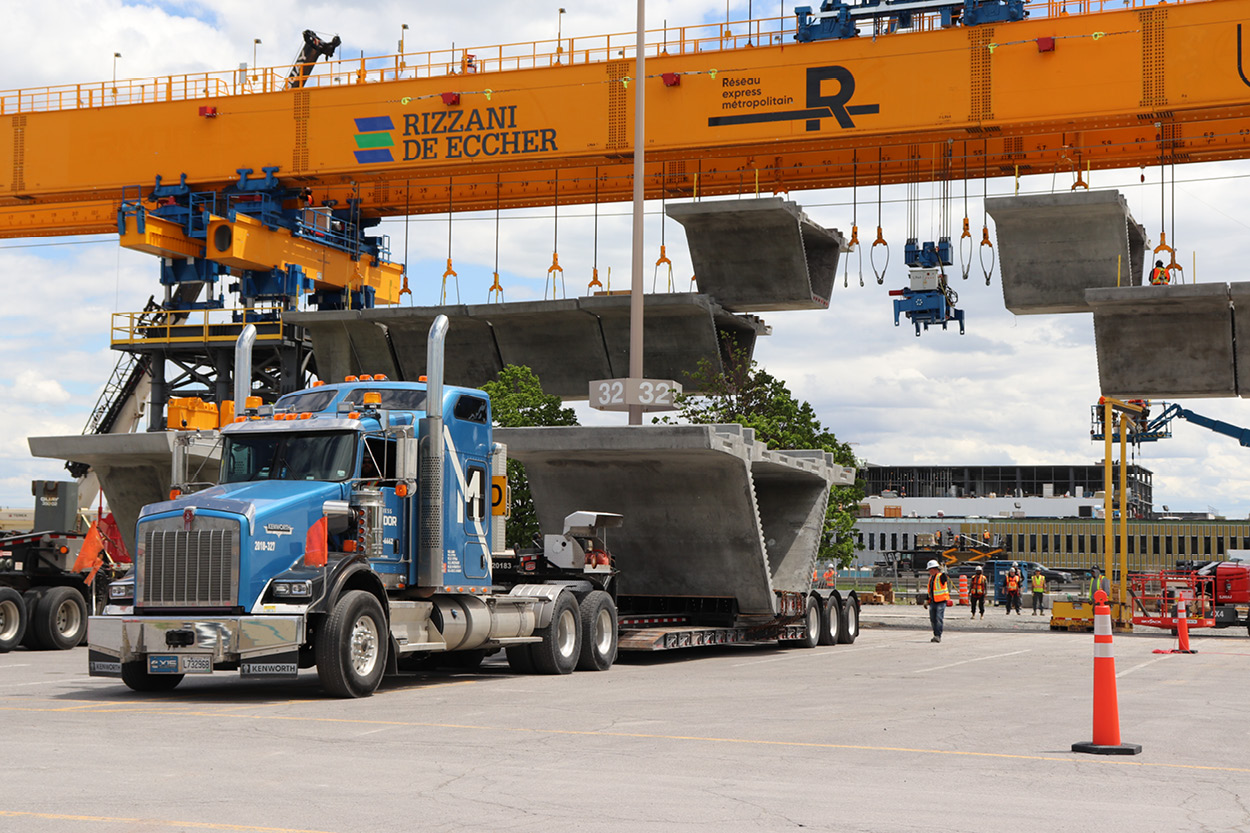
(850, 621)
(520, 659)
(831, 622)
(31, 598)
(137, 677)
(598, 615)
(351, 647)
(12, 619)
(561, 640)
(60, 620)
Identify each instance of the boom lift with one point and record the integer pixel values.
(1160, 428)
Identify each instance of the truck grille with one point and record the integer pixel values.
(189, 569)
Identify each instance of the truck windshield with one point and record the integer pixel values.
(288, 456)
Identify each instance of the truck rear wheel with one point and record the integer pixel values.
(60, 619)
(831, 622)
(850, 621)
(811, 626)
(12, 619)
(561, 639)
(351, 647)
(137, 677)
(598, 620)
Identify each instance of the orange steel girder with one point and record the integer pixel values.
(1119, 89)
(247, 243)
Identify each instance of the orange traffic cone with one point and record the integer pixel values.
(963, 590)
(1182, 631)
(1106, 737)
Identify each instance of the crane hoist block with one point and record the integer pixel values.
(1053, 247)
(1165, 342)
(760, 254)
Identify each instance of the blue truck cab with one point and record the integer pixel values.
(350, 529)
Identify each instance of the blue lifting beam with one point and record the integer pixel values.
(837, 20)
(926, 306)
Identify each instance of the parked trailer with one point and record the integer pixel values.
(352, 531)
(44, 598)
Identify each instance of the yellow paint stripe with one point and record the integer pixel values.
(789, 744)
(205, 825)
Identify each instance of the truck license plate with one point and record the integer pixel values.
(180, 664)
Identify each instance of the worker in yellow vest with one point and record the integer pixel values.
(1011, 584)
(1097, 582)
(1038, 582)
(938, 599)
(976, 592)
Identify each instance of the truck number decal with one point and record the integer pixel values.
(265, 546)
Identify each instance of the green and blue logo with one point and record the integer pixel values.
(373, 139)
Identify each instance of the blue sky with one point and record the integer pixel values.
(1015, 389)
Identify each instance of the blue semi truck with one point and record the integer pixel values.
(351, 529)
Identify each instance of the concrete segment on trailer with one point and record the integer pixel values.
(760, 254)
(568, 343)
(1052, 247)
(133, 469)
(1161, 342)
(708, 510)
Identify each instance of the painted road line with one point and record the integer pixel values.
(833, 651)
(1143, 665)
(974, 659)
(151, 822)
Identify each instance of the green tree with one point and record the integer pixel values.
(746, 394)
(517, 401)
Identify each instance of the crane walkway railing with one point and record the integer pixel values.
(469, 61)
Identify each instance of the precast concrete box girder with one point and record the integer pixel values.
(708, 511)
(568, 342)
(760, 254)
(1052, 247)
(1171, 342)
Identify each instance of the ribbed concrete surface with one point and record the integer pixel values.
(1052, 247)
(567, 343)
(708, 510)
(133, 469)
(760, 254)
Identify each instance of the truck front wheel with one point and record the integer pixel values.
(136, 676)
(598, 615)
(561, 639)
(12, 619)
(351, 646)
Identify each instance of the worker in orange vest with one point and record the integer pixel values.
(1159, 276)
(938, 599)
(976, 592)
(829, 576)
(1011, 583)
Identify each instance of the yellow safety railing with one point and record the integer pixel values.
(197, 327)
(469, 61)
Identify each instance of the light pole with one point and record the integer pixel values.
(403, 27)
(560, 32)
(255, 43)
(116, 55)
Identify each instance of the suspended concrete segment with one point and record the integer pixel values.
(568, 343)
(708, 511)
(1052, 247)
(1172, 341)
(760, 254)
(133, 469)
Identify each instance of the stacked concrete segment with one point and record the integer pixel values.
(708, 510)
(134, 469)
(567, 342)
(1053, 247)
(760, 254)
(1172, 341)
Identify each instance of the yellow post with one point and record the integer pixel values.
(1122, 592)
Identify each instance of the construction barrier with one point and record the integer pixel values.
(1106, 734)
(963, 590)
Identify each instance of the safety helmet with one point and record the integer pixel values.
(932, 565)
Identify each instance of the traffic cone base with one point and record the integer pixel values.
(1100, 749)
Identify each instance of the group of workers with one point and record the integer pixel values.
(939, 593)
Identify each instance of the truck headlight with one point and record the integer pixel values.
(121, 591)
(292, 589)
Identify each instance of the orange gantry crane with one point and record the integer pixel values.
(1071, 88)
